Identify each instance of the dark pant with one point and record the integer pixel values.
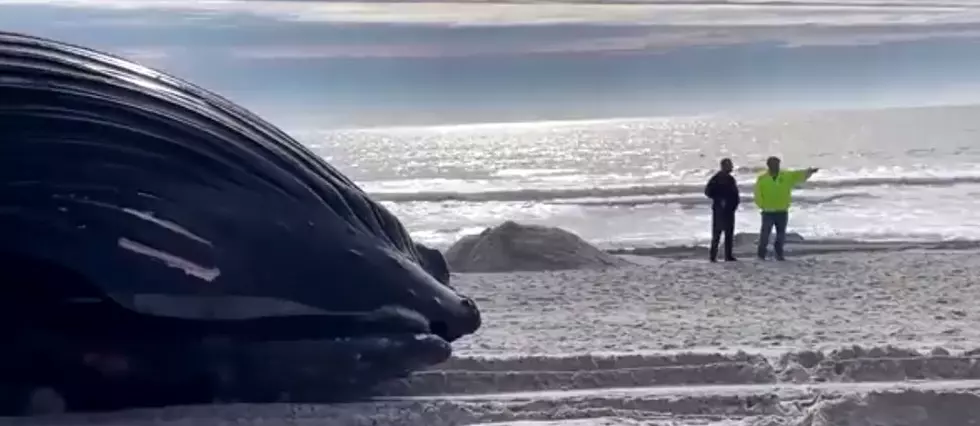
(722, 221)
(770, 220)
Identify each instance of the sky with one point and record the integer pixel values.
(317, 64)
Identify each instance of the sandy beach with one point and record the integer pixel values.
(924, 297)
(852, 338)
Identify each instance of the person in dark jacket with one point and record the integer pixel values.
(723, 192)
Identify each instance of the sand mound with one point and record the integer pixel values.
(514, 247)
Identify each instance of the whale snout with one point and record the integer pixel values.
(464, 320)
(450, 313)
(456, 317)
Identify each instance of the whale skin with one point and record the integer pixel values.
(163, 245)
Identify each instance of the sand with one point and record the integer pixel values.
(844, 339)
(925, 298)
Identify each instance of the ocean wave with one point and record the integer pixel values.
(553, 194)
(694, 201)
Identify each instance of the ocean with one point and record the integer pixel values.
(889, 174)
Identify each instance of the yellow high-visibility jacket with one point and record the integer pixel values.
(775, 194)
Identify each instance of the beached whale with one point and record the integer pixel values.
(160, 244)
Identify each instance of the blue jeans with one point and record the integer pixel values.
(770, 220)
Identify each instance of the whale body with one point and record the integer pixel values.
(129, 193)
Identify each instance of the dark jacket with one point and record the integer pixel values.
(723, 191)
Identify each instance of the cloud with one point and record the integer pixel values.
(652, 25)
(646, 42)
(472, 13)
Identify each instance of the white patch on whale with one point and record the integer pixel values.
(149, 217)
(190, 268)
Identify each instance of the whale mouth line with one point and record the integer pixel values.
(265, 313)
(248, 318)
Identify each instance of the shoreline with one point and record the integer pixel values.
(799, 247)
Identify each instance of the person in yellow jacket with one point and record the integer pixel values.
(773, 195)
